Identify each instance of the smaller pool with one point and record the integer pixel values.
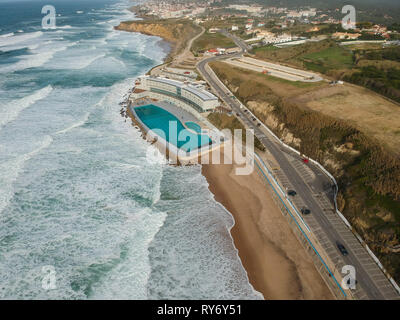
(194, 126)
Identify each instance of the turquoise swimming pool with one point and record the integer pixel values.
(160, 121)
(194, 126)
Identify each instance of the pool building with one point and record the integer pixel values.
(179, 93)
(167, 126)
(169, 112)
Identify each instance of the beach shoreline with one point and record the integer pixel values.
(276, 264)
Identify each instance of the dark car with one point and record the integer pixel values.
(258, 124)
(305, 211)
(349, 281)
(342, 249)
(292, 193)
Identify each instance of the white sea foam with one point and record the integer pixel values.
(84, 63)
(35, 60)
(11, 169)
(33, 47)
(75, 125)
(200, 262)
(10, 111)
(96, 206)
(65, 27)
(7, 35)
(76, 59)
(28, 61)
(14, 39)
(123, 281)
(120, 62)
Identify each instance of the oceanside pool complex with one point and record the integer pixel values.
(176, 92)
(166, 126)
(169, 113)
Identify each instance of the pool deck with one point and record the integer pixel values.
(183, 116)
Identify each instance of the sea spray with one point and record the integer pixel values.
(11, 110)
(76, 190)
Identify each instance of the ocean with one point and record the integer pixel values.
(78, 195)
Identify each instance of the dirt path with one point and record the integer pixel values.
(178, 60)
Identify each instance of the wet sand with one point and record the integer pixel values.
(277, 264)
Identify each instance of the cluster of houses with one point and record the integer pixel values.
(374, 30)
(175, 9)
(271, 38)
(222, 51)
(198, 11)
(377, 30)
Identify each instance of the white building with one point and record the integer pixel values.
(282, 38)
(176, 92)
(235, 28)
(243, 7)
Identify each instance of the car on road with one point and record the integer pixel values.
(342, 249)
(291, 193)
(254, 119)
(349, 281)
(305, 211)
(258, 124)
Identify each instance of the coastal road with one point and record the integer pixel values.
(314, 191)
(186, 52)
(238, 41)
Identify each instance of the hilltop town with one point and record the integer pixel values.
(270, 24)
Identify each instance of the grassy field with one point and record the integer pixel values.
(322, 56)
(333, 58)
(260, 50)
(279, 86)
(352, 131)
(366, 110)
(364, 46)
(211, 41)
(368, 65)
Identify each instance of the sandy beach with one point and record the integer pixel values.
(276, 263)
